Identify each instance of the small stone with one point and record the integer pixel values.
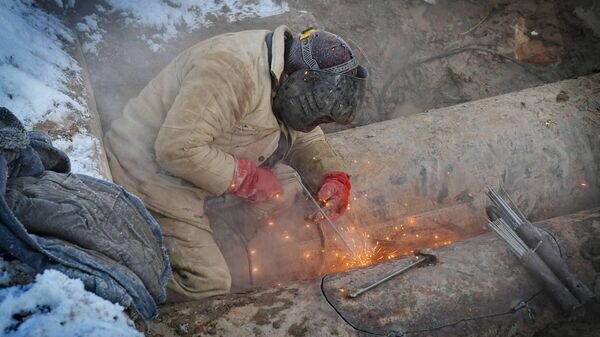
(211, 330)
(276, 325)
(182, 329)
(562, 96)
(534, 33)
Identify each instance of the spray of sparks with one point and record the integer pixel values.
(368, 248)
(366, 252)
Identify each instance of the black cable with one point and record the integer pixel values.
(324, 294)
(553, 237)
(447, 53)
(521, 305)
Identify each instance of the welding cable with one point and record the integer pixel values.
(328, 301)
(448, 53)
(523, 304)
(322, 266)
(248, 254)
(553, 237)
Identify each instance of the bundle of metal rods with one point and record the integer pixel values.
(506, 209)
(509, 236)
(538, 251)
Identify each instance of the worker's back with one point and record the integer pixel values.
(132, 145)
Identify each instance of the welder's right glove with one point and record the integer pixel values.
(333, 195)
(253, 183)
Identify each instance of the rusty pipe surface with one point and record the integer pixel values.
(544, 148)
(476, 288)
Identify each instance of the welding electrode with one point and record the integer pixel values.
(325, 215)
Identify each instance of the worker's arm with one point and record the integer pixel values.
(323, 169)
(214, 94)
(312, 156)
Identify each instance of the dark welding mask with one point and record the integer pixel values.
(314, 96)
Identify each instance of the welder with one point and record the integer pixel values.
(217, 120)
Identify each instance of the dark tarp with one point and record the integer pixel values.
(84, 227)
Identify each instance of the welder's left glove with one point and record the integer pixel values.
(333, 195)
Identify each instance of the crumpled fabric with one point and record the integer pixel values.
(82, 226)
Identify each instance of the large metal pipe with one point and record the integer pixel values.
(542, 144)
(477, 288)
(418, 181)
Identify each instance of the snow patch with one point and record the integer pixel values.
(78, 148)
(38, 77)
(57, 306)
(168, 17)
(34, 65)
(91, 33)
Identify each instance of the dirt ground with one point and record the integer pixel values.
(425, 56)
(420, 56)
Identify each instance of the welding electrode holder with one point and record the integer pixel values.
(424, 256)
(536, 266)
(549, 254)
(539, 251)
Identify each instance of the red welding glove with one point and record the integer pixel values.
(333, 195)
(253, 183)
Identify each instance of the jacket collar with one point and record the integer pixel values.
(278, 51)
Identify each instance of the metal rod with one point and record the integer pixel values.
(513, 205)
(514, 218)
(358, 292)
(509, 236)
(325, 215)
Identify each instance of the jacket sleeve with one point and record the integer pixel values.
(214, 94)
(312, 156)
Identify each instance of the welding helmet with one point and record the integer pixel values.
(312, 95)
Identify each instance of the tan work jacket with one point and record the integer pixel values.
(173, 144)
